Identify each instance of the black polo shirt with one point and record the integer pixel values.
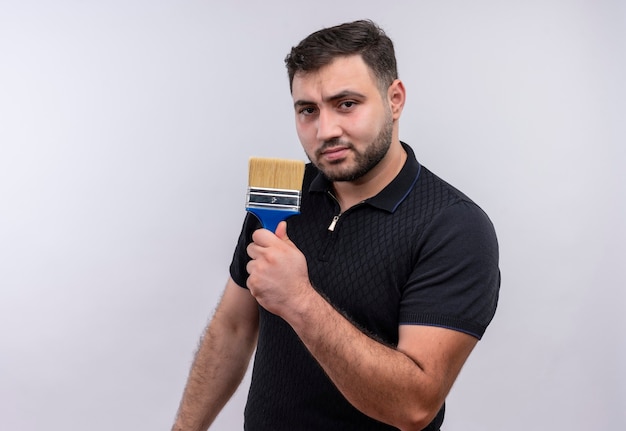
(420, 253)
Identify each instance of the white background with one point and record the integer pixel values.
(125, 130)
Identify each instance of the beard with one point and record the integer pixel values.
(363, 161)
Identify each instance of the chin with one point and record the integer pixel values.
(342, 175)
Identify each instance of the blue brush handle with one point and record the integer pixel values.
(270, 218)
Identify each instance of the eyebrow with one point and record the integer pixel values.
(341, 95)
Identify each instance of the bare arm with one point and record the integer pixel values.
(221, 360)
(403, 386)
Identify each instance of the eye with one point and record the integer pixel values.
(347, 104)
(307, 110)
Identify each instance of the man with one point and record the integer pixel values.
(366, 305)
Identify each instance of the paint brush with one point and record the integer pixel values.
(274, 189)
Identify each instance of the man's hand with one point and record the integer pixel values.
(279, 277)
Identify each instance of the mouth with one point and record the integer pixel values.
(335, 153)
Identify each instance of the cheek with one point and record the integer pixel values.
(306, 135)
(301, 131)
(362, 127)
(364, 122)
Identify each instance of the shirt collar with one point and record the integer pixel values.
(393, 194)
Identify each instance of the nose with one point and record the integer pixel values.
(328, 126)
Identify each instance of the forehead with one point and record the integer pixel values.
(342, 74)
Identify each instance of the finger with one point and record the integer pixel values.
(262, 237)
(253, 250)
(281, 230)
(250, 269)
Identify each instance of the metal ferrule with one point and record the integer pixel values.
(273, 198)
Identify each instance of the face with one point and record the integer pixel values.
(343, 121)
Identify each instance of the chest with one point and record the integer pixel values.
(362, 264)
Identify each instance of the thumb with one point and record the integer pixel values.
(281, 230)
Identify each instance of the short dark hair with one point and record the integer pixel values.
(361, 37)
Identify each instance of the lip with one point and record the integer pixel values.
(335, 153)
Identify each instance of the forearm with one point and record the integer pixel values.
(217, 371)
(221, 360)
(380, 381)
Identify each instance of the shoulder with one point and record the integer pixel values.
(433, 199)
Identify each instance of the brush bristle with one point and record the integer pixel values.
(275, 173)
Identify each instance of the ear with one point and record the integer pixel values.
(396, 96)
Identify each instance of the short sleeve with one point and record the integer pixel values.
(240, 260)
(455, 282)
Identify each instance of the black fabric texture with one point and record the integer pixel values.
(418, 253)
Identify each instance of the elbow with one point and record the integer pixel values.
(419, 418)
(415, 424)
